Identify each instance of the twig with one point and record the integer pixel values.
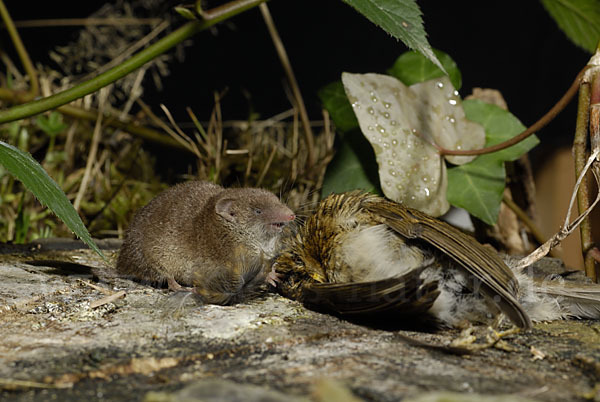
(289, 72)
(93, 150)
(21, 51)
(567, 228)
(96, 287)
(267, 166)
(542, 122)
(134, 93)
(183, 135)
(10, 384)
(108, 299)
(181, 141)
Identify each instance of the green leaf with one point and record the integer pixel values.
(34, 177)
(412, 67)
(353, 167)
(401, 19)
(500, 125)
(478, 186)
(579, 20)
(186, 13)
(334, 99)
(51, 125)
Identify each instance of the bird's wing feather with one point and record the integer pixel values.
(496, 278)
(406, 294)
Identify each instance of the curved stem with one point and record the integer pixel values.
(21, 51)
(542, 122)
(213, 17)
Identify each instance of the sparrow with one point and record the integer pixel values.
(360, 254)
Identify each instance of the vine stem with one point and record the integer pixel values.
(212, 17)
(21, 51)
(542, 122)
(579, 151)
(589, 114)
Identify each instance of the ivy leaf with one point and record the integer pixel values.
(402, 124)
(478, 186)
(500, 125)
(579, 20)
(401, 19)
(334, 99)
(34, 177)
(413, 67)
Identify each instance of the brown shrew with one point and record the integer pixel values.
(198, 234)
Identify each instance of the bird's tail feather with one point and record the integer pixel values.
(555, 298)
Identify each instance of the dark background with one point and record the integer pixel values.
(513, 46)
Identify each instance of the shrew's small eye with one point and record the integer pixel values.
(257, 211)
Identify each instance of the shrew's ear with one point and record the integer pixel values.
(224, 208)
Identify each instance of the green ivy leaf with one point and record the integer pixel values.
(34, 177)
(500, 125)
(478, 186)
(579, 20)
(334, 99)
(401, 19)
(413, 67)
(353, 167)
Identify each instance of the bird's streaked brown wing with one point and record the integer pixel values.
(405, 294)
(497, 280)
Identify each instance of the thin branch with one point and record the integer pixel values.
(93, 150)
(547, 118)
(192, 146)
(567, 228)
(21, 51)
(214, 16)
(580, 155)
(289, 72)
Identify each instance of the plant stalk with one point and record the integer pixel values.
(213, 17)
(21, 51)
(580, 157)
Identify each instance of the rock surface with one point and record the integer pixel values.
(74, 333)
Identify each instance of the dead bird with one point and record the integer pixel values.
(361, 254)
